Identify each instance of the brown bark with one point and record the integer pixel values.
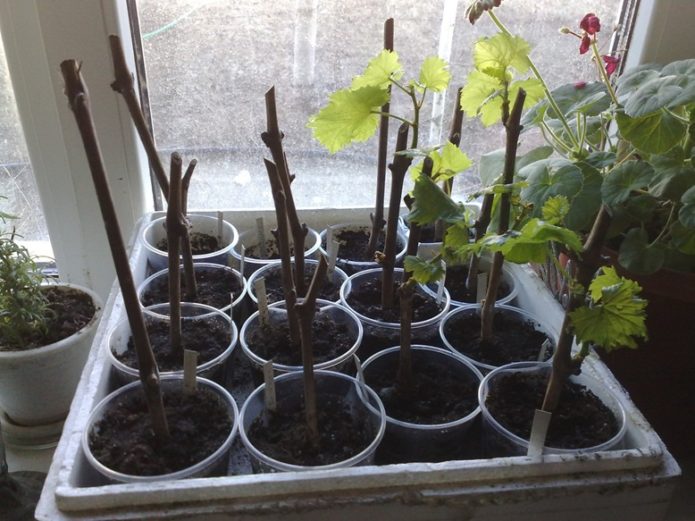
(78, 99)
(175, 231)
(272, 138)
(398, 168)
(378, 216)
(186, 251)
(306, 310)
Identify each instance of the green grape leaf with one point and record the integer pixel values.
(447, 162)
(481, 96)
(379, 72)
(348, 117)
(655, 133)
(624, 179)
(424, 272)
(686, 214)
(585, 205)
(494, 55)
(616, 316)
(534, 91)
(548, 178)
(435, 74)
(637, 255)
(458, 234)
(432, 204)
(664, 92)
(555, 209)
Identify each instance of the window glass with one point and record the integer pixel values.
(209, 63)
(18, 194)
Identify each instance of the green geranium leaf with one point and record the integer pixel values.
(434, 74)
(555, 209)
(686, 215)
(491, 165)
(664, 92)
(641, 207)
(682, 238)
(637, 255)
(585, 205)
(379, 72)
(494, 55)
(624, 179)
(590, 100)
(548, 178)
(481, 96)
(656, 133)
(634, 78)
(673, 175)
(424, 272)
(348, 117)
(432, 204)
(600, 160)
(684, 67)
(616, 316)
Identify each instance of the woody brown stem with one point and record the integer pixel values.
(512, 126)
(378, 215)
(175, 231)
(480, 227)
(272, 138)
(78, 99)
(284, 249)
(124, 85)
(398, 168)
(306, 309)
(185, 184)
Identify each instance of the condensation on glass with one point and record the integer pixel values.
(18, 193)
(209, 63)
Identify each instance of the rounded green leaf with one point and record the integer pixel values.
(686, 215)
(664, 92)
(548, 178)
(637, 255)
(624, 179)
(655, 134)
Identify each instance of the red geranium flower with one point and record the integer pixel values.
(584, 46)
(590, 23)
(611, 63)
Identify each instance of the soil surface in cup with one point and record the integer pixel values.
(455, 283)
(438, 394)
(284, 436)
(67, 311)
(580, 421)
(123, 439)
(353, 245)
(365, 299)
(271, 251)
(214, 287)
(272, 342)
(209, 337)
(273, 285)
(512, 341)
(201, 244)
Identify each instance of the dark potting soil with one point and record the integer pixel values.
(284, 436)
(67, 311)
(513, 341)
(271, 249)
(330, 340)
(209, 337)
(580, 421)
(201, 243)
(273, 285)
(123, 440)
(366, 300)
(353, 245)
(439, 394)
(213, 288)
(455, 283)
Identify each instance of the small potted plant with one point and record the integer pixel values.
(46, 331)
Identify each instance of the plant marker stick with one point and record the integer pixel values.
(231, 307)
(441, 283)
(220, 227)
(190, 365)
(544, 350)
(78, 99)
(242, 261)
(539, 431)
(260, 237)
(481, 287)
(262, 296)
(269, 395)
(333, 247)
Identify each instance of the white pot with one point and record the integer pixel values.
(37, 385)
(156, 231)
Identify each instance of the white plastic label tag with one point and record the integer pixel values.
(262, 296)
(539, 430)
(260, 235)
(268, 378)
(481, 287)
(190, 364)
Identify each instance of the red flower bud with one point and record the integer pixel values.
(580, 85)
(590, 23)
(611, 63)
(586, 43)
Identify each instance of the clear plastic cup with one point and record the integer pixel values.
(474, 309)
(278, 315)
(156, 231)
(290, 391)
(353, 266)
(337, 278)
(249, 239)
(162, 277)
(213, 369)
(415, 442)
(215, 463)
(498, 441)
(379, 334)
